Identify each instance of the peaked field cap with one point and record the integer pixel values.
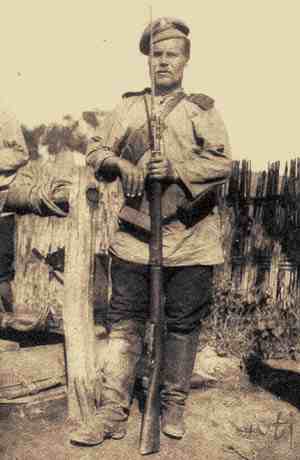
(163, 29)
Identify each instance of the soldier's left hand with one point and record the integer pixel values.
(161, 168)
(20, 322)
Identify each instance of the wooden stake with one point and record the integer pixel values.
(78, 306)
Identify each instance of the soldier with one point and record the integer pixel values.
(13, 155)
(195, 155)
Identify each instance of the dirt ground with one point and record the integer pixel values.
(256, 418)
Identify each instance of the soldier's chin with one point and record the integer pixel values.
(164, 82)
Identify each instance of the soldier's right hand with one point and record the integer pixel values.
(133, 178)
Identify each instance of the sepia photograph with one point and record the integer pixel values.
(149, 227)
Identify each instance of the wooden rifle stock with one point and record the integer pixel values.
(150, 430)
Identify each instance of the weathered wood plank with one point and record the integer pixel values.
(78, 314)
(36, 287)
(8, 345)
(29, 370)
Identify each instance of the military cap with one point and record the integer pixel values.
(163, 29)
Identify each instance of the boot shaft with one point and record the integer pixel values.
(118, 372)
(179, 359)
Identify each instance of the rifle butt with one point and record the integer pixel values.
(150, 431)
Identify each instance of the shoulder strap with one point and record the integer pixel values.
(135, 93)
(201, 100)
(171, 104)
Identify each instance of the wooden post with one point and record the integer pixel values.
(273, 280)
(286, 279)
(78, 300)
(62, 298)
(39, 285)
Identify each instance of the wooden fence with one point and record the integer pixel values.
(260, 218)
(261, 223)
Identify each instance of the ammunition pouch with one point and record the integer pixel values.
(189, 213)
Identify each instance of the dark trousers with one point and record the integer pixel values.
(7, 228)
(187, 291)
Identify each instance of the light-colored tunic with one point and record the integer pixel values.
(196, 142)
(13, 151)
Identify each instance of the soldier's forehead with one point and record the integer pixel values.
(171, 43)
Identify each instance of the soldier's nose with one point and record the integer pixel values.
(163, 65)
(163, 61)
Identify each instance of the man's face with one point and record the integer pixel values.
(169, 61)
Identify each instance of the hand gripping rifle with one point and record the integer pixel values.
(150, 430)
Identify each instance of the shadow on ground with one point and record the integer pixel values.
(283, 383)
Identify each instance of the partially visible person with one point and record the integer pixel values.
(13, 155)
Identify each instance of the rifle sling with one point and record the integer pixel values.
(168, 108)
(140, 141)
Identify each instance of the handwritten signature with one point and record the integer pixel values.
(282, 428)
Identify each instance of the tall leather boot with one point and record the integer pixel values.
(179, 358)
(117, 378)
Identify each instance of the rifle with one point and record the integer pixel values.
(150, 429)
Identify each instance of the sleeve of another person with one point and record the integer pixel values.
(13, 150)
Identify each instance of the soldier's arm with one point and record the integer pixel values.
(104, 150)
(12, 157)
(210, 161)
(13, 150)
(103, 147)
